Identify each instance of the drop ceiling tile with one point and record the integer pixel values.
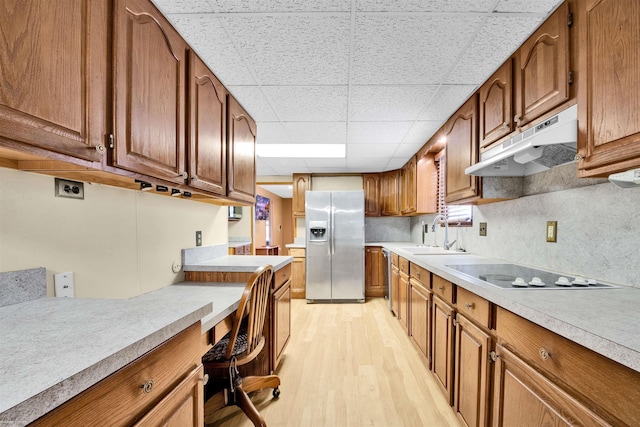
(370, 150)
(308, 103)
(367, 165)
(263, 168)
(388, 103)
(396, 163)
(448, 99)
(407, 150)
(317, 132)
(498, 38)
(183, 6)
(424, 6)
(254, 101)
(235, 6)
(208, 39)
(293, 49)
(377, 132)
(272, 133)
(532, 6)
(323, 162)
(283, 166)
(421, 131)
(401, 49)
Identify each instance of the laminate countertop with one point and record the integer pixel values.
(606, 321)
(233, 263)
(54, 348)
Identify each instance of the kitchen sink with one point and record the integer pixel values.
(431, 250)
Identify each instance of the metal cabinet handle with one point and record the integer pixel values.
(418, 274)
(441, 288)
(183, 175)
(470, 306)
(544, 354)
(147, 387)
(205, 379)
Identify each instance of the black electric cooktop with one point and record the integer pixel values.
(513, 276)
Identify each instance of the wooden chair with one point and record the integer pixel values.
(240, 346)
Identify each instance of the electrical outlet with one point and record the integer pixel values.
(198, 238)
(63, 284)
(69, 189)
(176, 267)
(552, 230)
(483, 228)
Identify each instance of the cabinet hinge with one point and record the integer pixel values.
(110, 143)
(570, 20)
(455, 322)
(493, 356)
(570, 78)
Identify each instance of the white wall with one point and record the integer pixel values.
(119, 243)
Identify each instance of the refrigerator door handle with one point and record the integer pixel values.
(333, 230)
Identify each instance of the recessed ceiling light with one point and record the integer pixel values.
(301, 150)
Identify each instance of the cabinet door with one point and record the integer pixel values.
(53, 94)
(442, 347)
(461, 152)
(207, 129)
(298, 279)
(408, 193)
(184, 406)
(149, 92)
(495, 106)
(395, 291)
(610, 100)
(542, 69)
(241, 163)
(403, 301)
(389, 193)
(523, 397)
(471, 400)
(282, 320)
(371, 184)
(301, 183)
(373, 272)
(420, 331)
(426, 183)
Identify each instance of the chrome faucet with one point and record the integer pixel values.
(446, 243)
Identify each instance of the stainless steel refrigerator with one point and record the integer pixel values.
(335, 246)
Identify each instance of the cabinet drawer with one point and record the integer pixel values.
(601, 380)
(282, 276)
(421, 274)
(120, 398)
(297, 252)
(443, 288)
(395, 259)
(404, 265)
(474, 307)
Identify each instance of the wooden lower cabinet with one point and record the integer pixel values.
(281, 320)
(524, 397)
(420, 330)
(373, 280)
(298, 273)
(395, 290)
(175, 396)
(403, 302)
(442, 340)
(471, 374)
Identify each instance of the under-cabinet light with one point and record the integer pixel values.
(144, 186)
(175, 192)
(301, 150)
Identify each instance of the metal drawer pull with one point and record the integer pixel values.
(470, 306)
(205, 379)
(544, 355)
(147, 387)
(441, 288)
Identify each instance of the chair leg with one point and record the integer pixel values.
(243, 402)
(253, 383)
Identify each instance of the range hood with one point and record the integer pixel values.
(541, 147)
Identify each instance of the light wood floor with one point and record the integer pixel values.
(348, 365)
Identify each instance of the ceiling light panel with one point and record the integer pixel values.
(446, 102)
(254, 101)
(308, 103)
(293, 49)
(209, 40)
(254, 6)
(392, 103)
(425, 6)
(377, 132)
(400, 49)
(317, 132)
(486, 53)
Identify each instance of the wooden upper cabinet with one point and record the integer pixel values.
(461, 132)
(426, 183)
(149, 92)
(495, 106)
(207, 129)
(53, 94)
(389, 193)
(241, 161)
(609, 99)
(542, 69)
(301, 183)
(408, 187)
(371, 184)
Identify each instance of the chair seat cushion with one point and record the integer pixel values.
(218, 351)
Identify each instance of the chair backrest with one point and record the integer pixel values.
(253, 304)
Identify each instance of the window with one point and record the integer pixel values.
(462, 214)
